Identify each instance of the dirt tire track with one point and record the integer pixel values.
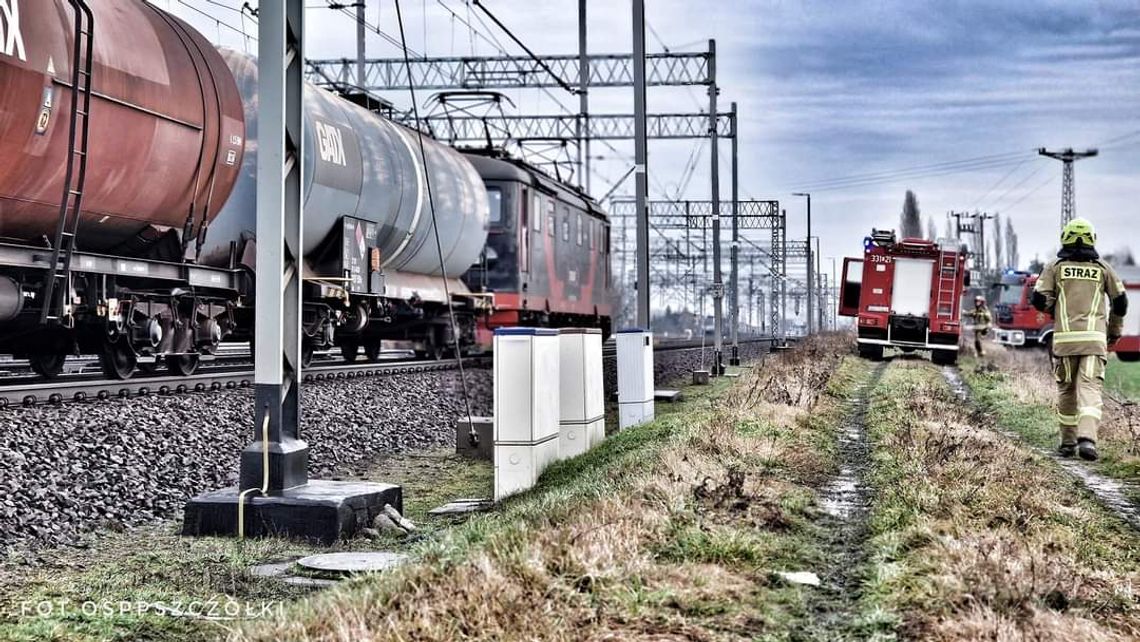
(1112, 494)
(846, 503)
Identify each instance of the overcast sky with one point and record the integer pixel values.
(854, 101)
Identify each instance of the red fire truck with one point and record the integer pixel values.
(1019, 323)
(906, 294)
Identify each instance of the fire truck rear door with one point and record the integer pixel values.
(852, 287)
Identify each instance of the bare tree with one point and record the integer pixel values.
(1011, 253)
(999, 245)
(910, 223)
(931, 229)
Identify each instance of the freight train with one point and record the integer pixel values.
(128, 153)
(905, 294)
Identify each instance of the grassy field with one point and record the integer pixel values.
(1021, 394)
(118, 588)
(977, 537)
(1124, 378)
(674, 529)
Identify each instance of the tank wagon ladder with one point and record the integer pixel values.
(70, 205)
(947, 284)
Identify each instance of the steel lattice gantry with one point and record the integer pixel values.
(688, 215)
(511, 72)
(546, 128)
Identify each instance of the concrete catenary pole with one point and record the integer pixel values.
(583, 99)
(360, 47)
(718, 283)
(641, 159)
(734, 276)
(277, 360)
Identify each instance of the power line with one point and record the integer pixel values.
(999, 182)
(917, 168)
(1031, 192)
(216, 20)
(1019, 184)
(539, 61)
(912, 175)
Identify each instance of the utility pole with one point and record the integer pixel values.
(810, 272)
(1068, 187)
(718, 284)
(784, 278)
(641, 160)
(583, 99)
(734, 277)
(820, 299)
(360, 51)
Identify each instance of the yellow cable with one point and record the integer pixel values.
(264, 476)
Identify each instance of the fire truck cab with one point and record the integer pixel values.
(906, 294)
(1017, 322)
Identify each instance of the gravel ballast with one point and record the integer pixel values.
(73, 469)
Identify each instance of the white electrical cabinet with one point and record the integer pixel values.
(581, 395)
(635, 377)
(526, 379)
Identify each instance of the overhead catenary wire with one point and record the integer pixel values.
(539, 61)
(435, 227)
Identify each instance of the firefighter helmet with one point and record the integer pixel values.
(1078, 232)
(979, 300)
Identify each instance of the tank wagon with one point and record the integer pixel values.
(905, 294)
(128, 215)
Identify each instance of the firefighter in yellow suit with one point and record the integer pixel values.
(982, 321)
(1088, 304)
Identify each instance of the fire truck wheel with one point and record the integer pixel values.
(1130, 357)
(944, 357)
(874, 353)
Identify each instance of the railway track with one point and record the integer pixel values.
(224, 375)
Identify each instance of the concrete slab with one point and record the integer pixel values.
(701, 377)
(667, 395)
(461, 506)
(273, 569)
(310, 582)
(321, 511)
(352, 562)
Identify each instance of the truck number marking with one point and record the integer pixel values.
(11, 41)
(330, 143)
(879, 258)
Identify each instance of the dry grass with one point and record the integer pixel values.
(682, 548)
(1026, 379)
(979, 538)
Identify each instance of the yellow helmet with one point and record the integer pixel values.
(1078, 231)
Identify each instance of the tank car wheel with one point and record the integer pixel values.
(118, 360)
(350, 350)
(372, 350)
(48, 365)
(182, 365)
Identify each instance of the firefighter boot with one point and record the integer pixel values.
(1067, 450)
(1087, 449)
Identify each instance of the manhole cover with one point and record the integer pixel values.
(347, 563)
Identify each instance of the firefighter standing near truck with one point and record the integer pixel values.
(982, 321)
(1088, 303)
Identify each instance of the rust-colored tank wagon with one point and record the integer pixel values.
(166, 126)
